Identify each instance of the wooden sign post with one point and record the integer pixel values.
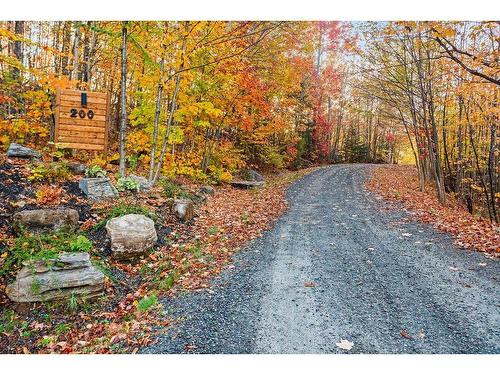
(82, 119)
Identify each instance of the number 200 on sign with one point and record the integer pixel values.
(82, 114)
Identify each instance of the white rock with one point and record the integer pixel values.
(131, 235)
(183, 209)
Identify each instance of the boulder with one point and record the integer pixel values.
(144, 184)
(77, 168)
(183, 209)
(131, 235)
(251, 175)
(207, 190)
(98, 188)
(46, 219)
(18, 151)
(68, 274)
(248, 179)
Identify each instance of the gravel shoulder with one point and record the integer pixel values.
(337, 265)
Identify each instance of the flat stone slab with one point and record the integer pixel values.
(68, 274)
(246, 184)
(131, 235)
(46, 219)
(16, 150)
(98, 188)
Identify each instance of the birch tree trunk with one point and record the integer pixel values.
(173, 106)
(156, 120)
(76, 52)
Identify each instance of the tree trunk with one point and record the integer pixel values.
(65, 47)
(76, 52)
(123, 127)
(154, 141)
(18, 48)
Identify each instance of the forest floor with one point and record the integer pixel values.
(186, 257)
(343, 270)
(399, 184)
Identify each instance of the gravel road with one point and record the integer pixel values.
(337, 265)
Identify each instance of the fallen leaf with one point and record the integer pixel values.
(421, 334)
(309, 284)
(345, 344)
(405, 334)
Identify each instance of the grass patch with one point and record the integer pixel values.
(173, 190)
(8, 321)
(62, 328)
(147, 302)
(30, 246)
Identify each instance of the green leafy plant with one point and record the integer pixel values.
(170, 188)
(24, 330)
(52, 172)
(45, 341)
(169, 281)
(95, 171)
(62, 328)
(173, 190)
(133, 161)
(147, 302)
(46, 246)
(127, 184)
(213, 230)
(80, 243)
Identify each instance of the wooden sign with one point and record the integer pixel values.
(82, 119)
